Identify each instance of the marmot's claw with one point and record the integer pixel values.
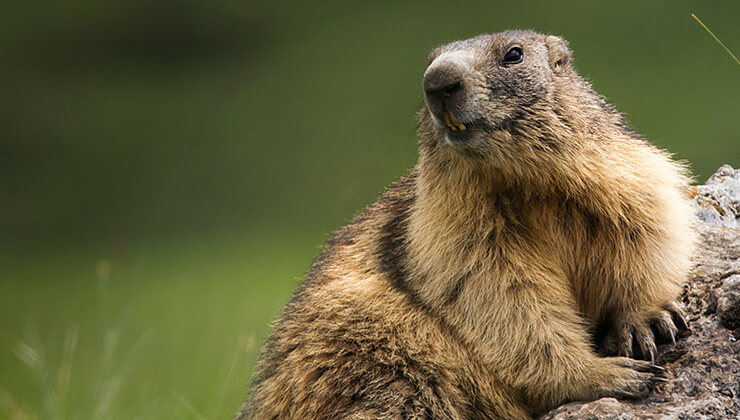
(656, 368)
(640, 366)
(682, 322)
(664, 327)
(623, 340)
(646, 341)
(677, 316)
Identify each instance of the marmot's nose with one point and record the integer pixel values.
(442, 80)
(443, 83)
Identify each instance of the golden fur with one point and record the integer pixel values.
(475, 285)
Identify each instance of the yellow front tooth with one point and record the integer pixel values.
(447, 119)
(453, 123)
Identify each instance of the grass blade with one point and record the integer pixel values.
(715, 38)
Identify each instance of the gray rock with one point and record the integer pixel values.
(718, 201)
(704, 367)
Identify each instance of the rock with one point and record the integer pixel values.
(728, 303)
(719, 199)
(605, 408)
(704, 367)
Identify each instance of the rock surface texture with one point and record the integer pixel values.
(704, 367)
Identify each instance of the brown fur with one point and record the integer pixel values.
(472, 288)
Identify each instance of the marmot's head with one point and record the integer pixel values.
(503, 95)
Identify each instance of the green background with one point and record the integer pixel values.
(168, 169)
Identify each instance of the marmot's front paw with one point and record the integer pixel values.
(633, 379)
(665, 323)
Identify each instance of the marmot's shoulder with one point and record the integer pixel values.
(386, 216)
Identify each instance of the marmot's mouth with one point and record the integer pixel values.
(459, 133)
(452, 123)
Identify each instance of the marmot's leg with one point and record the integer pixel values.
(546, 352)
(367, 380)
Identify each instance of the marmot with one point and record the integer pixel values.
(475, 285)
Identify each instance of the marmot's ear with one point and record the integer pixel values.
(558, 53)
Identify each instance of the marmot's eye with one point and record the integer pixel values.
(514, 56)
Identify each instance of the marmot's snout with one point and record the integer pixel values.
(443, 85)
(445, 90)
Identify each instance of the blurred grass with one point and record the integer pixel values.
(169, 169)
(170, 323)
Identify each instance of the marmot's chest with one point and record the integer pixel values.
(448, 257)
